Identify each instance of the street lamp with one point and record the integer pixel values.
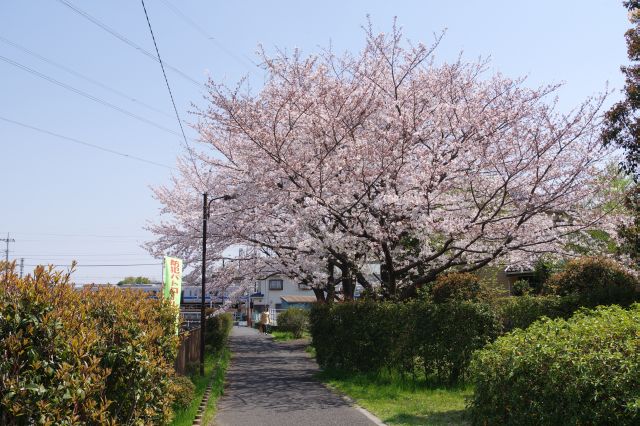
(206, 208)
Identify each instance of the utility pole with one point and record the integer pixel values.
(206, 204)
(21, 266)
(6, 256)
(205, 216)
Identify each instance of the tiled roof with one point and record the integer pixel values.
(520, 268)
(299, 299)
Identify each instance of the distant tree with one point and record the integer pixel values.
(135, 280)
(622, 123)
(622, 129)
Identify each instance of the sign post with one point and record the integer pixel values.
(173, 283)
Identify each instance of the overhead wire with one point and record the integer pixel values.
(81, 235)
(126, 40)
(81, 142)
(82, 76)
(86, 95)
(187, 146)
(247, 62)
(79, 265)
(153, 37)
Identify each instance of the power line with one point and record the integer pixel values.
(84, 77)
(78, 141)
(83, 235)
(105, 265)
(116, 257)
(125, 39)
(164, 74)
(205, 34)
(86, 95)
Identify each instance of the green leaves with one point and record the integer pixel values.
(83, 357)
(585, 370)
(415, 337)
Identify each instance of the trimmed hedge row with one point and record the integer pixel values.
(217, 331)
(74, 357)
(419, 335)
(585, 370)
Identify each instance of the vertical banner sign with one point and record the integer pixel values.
(173, 282)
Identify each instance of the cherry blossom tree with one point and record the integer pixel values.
(385, 157)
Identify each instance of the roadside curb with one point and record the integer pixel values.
(205, 400)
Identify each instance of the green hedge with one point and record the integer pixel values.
(522, 311)
(72, 357)
(371, 336)
(217, 331)
(585, 370)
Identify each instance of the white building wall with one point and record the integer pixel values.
(272, 297)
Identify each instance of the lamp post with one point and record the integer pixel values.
(206, 205)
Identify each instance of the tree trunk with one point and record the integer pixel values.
(348, 283)
(331, 282)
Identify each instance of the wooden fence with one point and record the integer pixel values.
(189, 350)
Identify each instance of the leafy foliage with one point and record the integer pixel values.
(217, 331)
(99, 356)
(184, 390)
(295, 320)
(447, 334)
(584, 370)
(543, 268)
(629, 233)
(520, 288)
(456, 286)
(596, 281)
(622, 125)
(418, 335)
(522, 311)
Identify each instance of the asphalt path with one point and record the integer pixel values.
(272, 384)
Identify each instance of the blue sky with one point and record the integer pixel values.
(64, 201)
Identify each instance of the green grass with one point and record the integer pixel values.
(217, 387)
(402, 401)
(283, 336)
(219, 363)
(311, 351)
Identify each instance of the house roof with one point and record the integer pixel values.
(299, 299)
(519, 269)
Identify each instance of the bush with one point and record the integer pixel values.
(217, 331)
(585, 370)
(371, 336)
(595, 281)
(521, 288)
(295, 320)
(456, 286)
(522, 311)
(543, 268)
(90, 356)
(184, 391)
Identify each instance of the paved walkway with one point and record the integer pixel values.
(272, 384)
